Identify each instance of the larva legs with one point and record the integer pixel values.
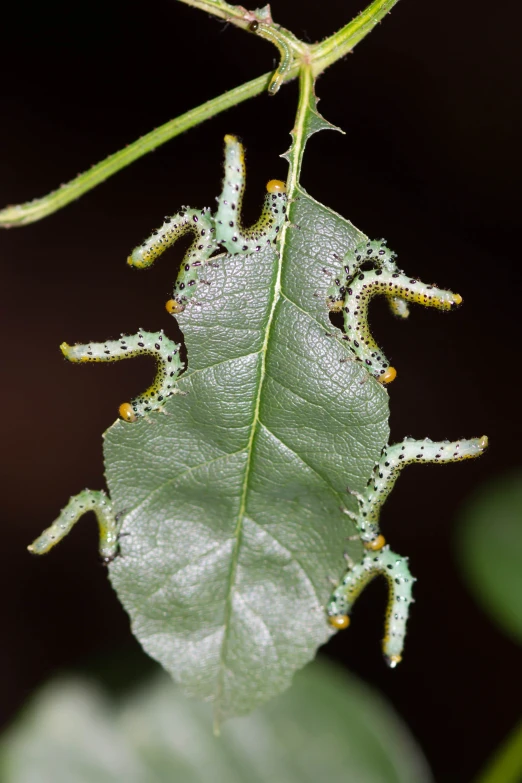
(379, 559)
(156, 344)
(398, 307)
(81, 504)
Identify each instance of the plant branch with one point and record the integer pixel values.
(299, 132)
(22, 214)
(300, 58)
(223, 10)
(341, 43)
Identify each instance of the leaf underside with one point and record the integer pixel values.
(231, 502)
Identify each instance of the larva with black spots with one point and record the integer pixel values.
(156, 344)
(229, 230)
(224, 229)
(375, 252)
(359, 293)
(353, 288)
(400, 582)
(378, 558)
(386, 472)
(198, 222)
(88, 500)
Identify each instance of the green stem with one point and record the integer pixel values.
(232, 13)
(310, 60)
(506, 764)
(21, 214)
(299, 132)
(341, 43)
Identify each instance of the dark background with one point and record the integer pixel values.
(430, 160)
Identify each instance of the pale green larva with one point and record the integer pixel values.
(198, 222)
(224, 229)
(360, 292)
(393, 460)
(372, 252)
(229, 230)
(270, 33)
(400, 582)
(88, 500)
(379, 559)
(368, 270)
(156, 344)
(210, 232)
(354, 286)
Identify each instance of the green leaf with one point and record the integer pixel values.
(232, 527)
(328, 727)
(490, 547)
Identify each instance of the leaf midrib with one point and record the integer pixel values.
(274, 301)
(296, 151)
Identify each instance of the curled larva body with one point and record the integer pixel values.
(196, 221)
(373, 252)
(210, 232)
(393, 460)
(378, 558)
(400, 582)
(156, 344)
(357, 297)
(88, 500)
(271, 33)
(230, 231)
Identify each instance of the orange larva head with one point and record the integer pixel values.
(126, 412)
(388, 375)
(173, 307)
(376, 544)
(339, 621)
(275, 186)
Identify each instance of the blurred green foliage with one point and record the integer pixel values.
(328, 726)
(490, 549)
